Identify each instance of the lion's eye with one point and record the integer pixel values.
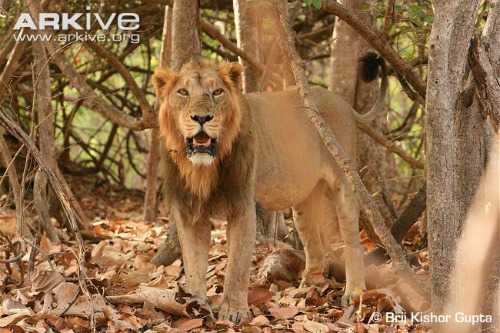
(217, 92)
(183, 92)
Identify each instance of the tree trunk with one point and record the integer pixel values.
(43, 98)
(185, 34)
(246, 41)
(44, 202)
(155, 151)
(346, 49)
(258, 31)
(456, 148)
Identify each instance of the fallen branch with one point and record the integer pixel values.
(402, 225)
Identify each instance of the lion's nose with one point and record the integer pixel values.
(201, 119)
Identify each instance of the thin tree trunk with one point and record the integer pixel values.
(246, 40)
(44, 202)
(456, 148)
(185, 34)
(151, 197)
(42, 100)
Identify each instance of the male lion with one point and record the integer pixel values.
(226, 149)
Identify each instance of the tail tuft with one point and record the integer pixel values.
(369, 66)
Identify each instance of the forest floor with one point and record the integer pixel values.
(129, 294)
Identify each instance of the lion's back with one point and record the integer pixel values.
(291, 155)
(282, 115)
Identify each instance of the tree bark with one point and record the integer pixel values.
(42, 98)
(44, 202)
(185, 34)
(484, 59)
(456, 148)
(346, 48)
(154, 156)
(245, 41)
(258, 31)
(10, 68)
(477, 251)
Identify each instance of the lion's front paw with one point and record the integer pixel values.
(351, 294)
(203, 306)
(237, 315)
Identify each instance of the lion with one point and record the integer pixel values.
(225, 150)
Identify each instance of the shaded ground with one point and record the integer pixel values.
(129, 294)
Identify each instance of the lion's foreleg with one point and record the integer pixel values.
(195, 241)
(241, 244)
(348, 216)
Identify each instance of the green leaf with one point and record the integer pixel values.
(315, 3)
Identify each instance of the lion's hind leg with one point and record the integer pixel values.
(347, 208)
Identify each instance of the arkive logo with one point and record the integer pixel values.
(81, 24)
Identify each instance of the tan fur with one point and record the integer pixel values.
(268, 150)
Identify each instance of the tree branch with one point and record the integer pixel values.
(378, 42)
(10, 68)
(90, 98)
(215, 34)
(147, 111)
(377, 137)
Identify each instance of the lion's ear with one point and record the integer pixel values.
(162, 78)
(231, 73)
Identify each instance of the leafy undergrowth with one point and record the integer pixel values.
(121, 291)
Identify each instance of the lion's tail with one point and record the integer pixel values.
(371, 66)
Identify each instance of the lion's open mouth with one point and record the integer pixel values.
(201, 143)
